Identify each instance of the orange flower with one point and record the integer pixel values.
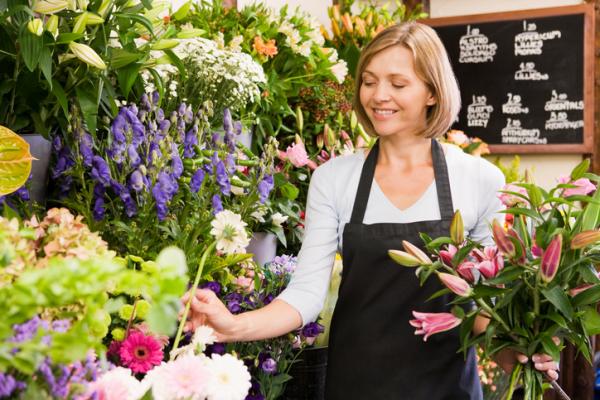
(268, 49)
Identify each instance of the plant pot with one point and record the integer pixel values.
(308, 376)
(263, 246)
(41, 149)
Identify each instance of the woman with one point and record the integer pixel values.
(364, 205)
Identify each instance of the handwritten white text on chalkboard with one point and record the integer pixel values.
(527, 72)
(530, 42)
(513, 105)
(560, 120)
(475, 47)
(514, 133)
(560, 102)
(478, 112)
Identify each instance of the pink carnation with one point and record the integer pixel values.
(583, 186)
(140, 353)
(296, 153)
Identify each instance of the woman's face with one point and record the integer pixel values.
(395, 99)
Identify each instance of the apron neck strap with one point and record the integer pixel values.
(440, 171)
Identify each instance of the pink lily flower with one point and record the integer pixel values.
(502, 240)
(466, 269)
(510, 200)
(551, 259)
(457, 285)
(447, 255)
(490, 261)
(584, 186)
(431, 323)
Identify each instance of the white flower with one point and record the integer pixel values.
(259, 215)
(236, 190)
(183, 378)
(117, 384)
(304, 49)
(340, 70)
(229, 380)
(277, 219)
(235, 43)
(203, 336)
(228, 230)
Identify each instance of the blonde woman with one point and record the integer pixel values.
(365, 204)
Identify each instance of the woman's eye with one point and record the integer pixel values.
(368, 83)
(398, 85)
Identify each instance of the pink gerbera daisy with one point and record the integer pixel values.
(140, 353)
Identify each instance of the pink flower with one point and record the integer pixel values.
(447, 255)
(140, 353)
(296, 154)
(490, 261)
(465, 270)
(455, 284)
(510, 200)
(583, 186)
(457, 137)
(551, 259)
(183, 378)
(245, 283)
(116, 384)
(582, 288)
(432, 323)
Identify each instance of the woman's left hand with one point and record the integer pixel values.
(507, 359)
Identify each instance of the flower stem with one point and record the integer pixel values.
(514, 378)
(493, 314)
(208, 250)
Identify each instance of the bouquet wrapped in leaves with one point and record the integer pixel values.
(538, 282)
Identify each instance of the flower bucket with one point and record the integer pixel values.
(308, 375)
(41, 149)
(264, 247)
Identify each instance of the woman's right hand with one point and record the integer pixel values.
(208, 309)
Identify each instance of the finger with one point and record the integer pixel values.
(186, 297)
(541, 358)
(552, 375)
(546, 366)
(205, 295)
(556, 340)
(522, 358)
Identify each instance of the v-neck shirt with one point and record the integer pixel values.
(474, 183)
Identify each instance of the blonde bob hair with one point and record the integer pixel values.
(431, 66)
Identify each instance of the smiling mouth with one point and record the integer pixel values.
(383, 112)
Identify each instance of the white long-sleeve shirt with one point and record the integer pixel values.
(474, 183)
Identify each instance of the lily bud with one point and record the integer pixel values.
(457, 285)
(80, 23)
(164, 44)
(584, 239)
(93, 19)
(86, 54)
(353, 121)
(325, 33)
(82, 4)
(329, 136)
(457, 229)
(404, 259)
(104, 7)
(335, 29)
(336, 12)
(36, 26)
(551, 259)
(319, 141)
(298, 139)
(503, 242)
(415, 251)
(347, 23)
(369, 18)
(50, 6)
(52, 25)
(299, 119)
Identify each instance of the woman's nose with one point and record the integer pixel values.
(381, 93)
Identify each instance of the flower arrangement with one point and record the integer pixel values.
(474, 146)
(160, 177)
(537, 284)
(56, 280)
(230, 79)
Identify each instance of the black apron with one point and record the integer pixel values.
(374, 353)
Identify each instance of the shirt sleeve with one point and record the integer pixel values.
(307, 289)
(491, 179)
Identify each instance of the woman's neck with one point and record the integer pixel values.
(403, 152)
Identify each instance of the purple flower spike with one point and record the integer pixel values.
(85, 148)
(134, 157)
(176, 163)
(145, 101)
(196, 181)
(216, 203)
(191, 140)
(136, 181)
(164, 126)
(312, 329)
(100, 171)
(9, 385)
(223, 179)
(23, 193)
(264, 188)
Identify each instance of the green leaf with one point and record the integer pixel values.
(522, 211)
(69, 37)
(147, 4)
(61, 96)
(506, 275)
(508, 296)
(289, 191)
(589, 296)
(591, 321)
(139, 19)
(550, 348)
(127, 76)
(182, 12)
(178, 63)
(436, 243)
(580, 169)
(280, 235)
(591, 214)
(88, 103)
(31, 48)
(162, 316)
(439, 293)
(556, 317)
(46, 64)
(488, 291)
(559, 299)
(120, 58)
(158, 83)
(535, 195)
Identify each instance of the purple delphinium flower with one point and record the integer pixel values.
(163, 192)
(196, 181)
(181, 109)
(176, 163)
(23, 193)
(228, 138)
(215, 348)
(283, 264)
(86, 145)
(164, 125)
(9, 385)
(216, 204)
(64, 186)
(145, 102)
(58, 387)
(154, 153)
(268, 299)
(191, 140)
(223, 178)
(254, 392)
(98, 209)
(27, 330)
(134, 157)
(312, 329)
(230, 164)
(136, 181)
(63, 158)
(269, 366)
(100, 171)
(264, 188)
(119, 126)
(61, 325)
(130, 205)
(214, 286)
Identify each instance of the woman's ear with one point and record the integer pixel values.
(431, 100)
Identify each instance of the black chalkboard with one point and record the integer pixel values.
(522, 78)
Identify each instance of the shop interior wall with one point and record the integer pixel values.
(545, 167)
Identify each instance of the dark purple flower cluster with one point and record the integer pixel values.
(312, 329)
(9, 386)
(264, 188)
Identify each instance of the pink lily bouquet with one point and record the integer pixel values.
(538, 282)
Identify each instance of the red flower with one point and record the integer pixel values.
(140, 353)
